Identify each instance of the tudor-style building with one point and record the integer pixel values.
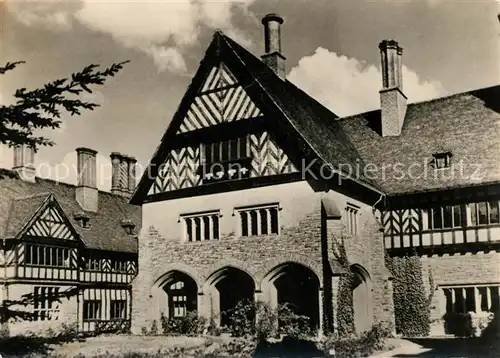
(244, 198)
(59, 238)
(253, 179)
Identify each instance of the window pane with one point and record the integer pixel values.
(215, 221)
(447, 216)
(274, 220)
(216, 152)
(470, 300)
(206, 228)
(482, 213)
(253, 216)
(233, 149)
(197, 235)
(437, 219)
(224, 155)
(242, 147)
(244, 223)
(263, 222)
(208, 153)
(457, 216)
(493, 206)
(495, 299)
(189, 229)
(473, 214)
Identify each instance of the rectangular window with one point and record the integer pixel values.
(45, 303)
(472, 299)
(260, 220)
(119, 266)
(41, 255)
(201, 227)
(225, 150)
(91, 310)
(484, 213)
(351, 220)
(118, 309)
(446, 217)
(93, 264)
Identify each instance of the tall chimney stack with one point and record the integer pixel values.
(392, 98)
(87, 194)
(123, 174)
(24, 162)
(272, 38)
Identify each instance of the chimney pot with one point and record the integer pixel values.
(87, 194)
(272, 41)
(24, 162)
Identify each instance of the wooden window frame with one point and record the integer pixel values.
(47, 256)
(44, 301)
(117, 306)
(94, 306)
(351, 221)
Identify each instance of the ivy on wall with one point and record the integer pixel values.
(411, 304)
(345, 306)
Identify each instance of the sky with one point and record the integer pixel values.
(331, 46)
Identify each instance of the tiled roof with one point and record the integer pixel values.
(306, 115)
(466, 124)
(20, 200)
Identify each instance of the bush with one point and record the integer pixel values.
(241, 319)
(293, 325)
(459, 324)
(359, 345)
(190, 325)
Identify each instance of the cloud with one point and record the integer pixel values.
(55, 15)
(162, 29)
(348, 86)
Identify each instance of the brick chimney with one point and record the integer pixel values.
(272, 39)
(87, 194)
(392, 98)
(24, 162)
(123, 174)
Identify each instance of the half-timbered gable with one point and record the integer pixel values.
(240, 125)
(65, 240)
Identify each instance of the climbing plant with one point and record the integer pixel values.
(411, 303)
(345, 307)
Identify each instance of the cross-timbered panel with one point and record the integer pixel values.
(182, 168)
(267, 157)
(180, 171)
(51, 224)
(221, 99)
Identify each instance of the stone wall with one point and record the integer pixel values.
(302, 240)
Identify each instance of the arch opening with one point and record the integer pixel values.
(180, 294)
(227, 287)
(361, 298)
(296, 287)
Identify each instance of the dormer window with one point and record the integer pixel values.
(83, 220)
(442, 160)
(128, 225)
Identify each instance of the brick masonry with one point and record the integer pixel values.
(302, 240)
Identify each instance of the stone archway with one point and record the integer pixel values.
(362, 298)
(297, 287)
(226, 288)
(176, 294)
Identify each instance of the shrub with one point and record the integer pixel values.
(459, 324)
(359, 345)
(190, 325)
(292, 324)
(241, 319)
